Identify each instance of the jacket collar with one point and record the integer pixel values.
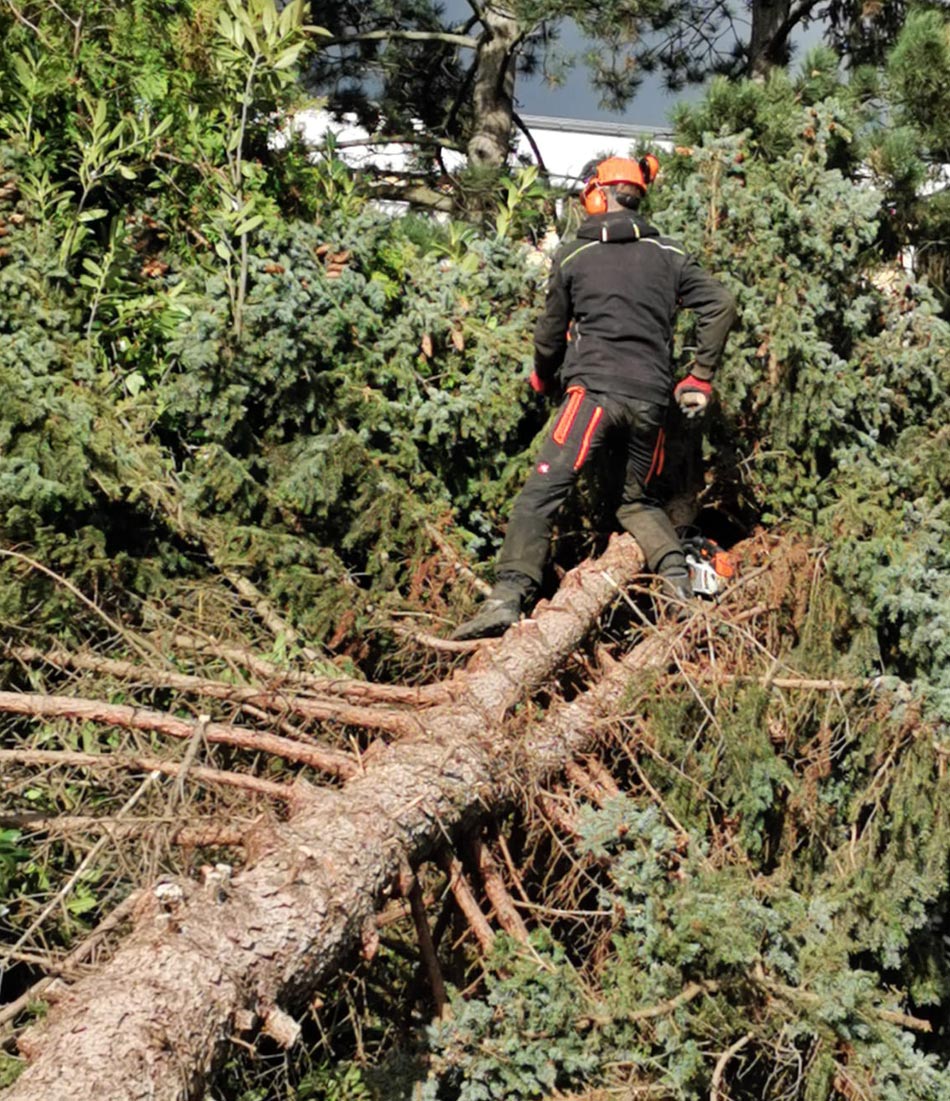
(616, 226)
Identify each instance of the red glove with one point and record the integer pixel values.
(538, 384)
(692, 395)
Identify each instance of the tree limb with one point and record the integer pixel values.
(40, 706)
(63, 758)
(448, 38)
(276, 702)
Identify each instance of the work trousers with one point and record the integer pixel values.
(585, 421)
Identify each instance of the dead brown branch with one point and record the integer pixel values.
(427, 948)
(41, 706)
(139, 763)
(804, 684)
(586, 783)
(467, 903)
(338, 686)
(270, 701)
(449, 553)
(269, 616)
(436, 642)
(492, 880)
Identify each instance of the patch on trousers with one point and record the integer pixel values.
(544, 468)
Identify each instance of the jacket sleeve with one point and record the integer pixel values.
(550, 333)
(715, 310)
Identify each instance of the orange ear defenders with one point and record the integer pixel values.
(617, 170)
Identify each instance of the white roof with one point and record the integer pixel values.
(566, 145)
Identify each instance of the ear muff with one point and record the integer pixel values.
(593, 198)
(650, 167)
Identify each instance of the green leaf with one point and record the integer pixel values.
(252, 223)
(268, 18)
(163, 126)
(289, 57)
(134, 383)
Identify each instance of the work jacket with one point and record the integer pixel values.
(611, 302)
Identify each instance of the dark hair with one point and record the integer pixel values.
(628, 195)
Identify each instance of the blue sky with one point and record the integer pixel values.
(576, 99)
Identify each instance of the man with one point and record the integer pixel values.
(605, 339)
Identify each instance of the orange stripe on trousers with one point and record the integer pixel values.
(588, 433)
(563, 427)
(659, 456)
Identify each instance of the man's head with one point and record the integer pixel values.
(619, 183)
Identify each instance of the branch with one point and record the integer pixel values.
(436, 642)
(508, 917)
(448, 38)
(529, 137)
(715, 1093)
(271, 619)
(343, 686)
(467, 902)
(10, 1011)
(143, 646)
(810, 998)
(455, 559)
(807, 684)
(276, 702)
(72, 759)
(416, 194)
(21, 18)
(427, 948)
(400, 139)
(661, 1009)
(135, 718)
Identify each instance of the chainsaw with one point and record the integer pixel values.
(710, 567)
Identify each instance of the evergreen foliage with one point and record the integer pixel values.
(836, 385)
(181, 351)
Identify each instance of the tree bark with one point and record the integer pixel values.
(155, 1021)
(767, 47)
(772, 24)
(494, 89)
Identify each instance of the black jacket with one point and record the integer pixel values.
(611, 302)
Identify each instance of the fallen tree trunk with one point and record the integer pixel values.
(205, 962)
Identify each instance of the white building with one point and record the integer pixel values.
(566, 145)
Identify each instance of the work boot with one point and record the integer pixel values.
(499, 610)
(676, 586)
